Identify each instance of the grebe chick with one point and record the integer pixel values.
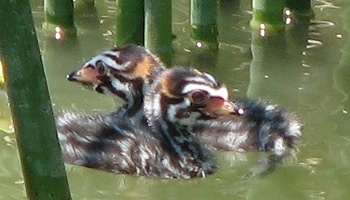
(258, 126)
(156, 144)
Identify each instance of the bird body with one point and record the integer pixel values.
(155, 144)
(126, 145)
(259, 126)
(170, 120)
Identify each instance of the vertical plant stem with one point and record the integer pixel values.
(130, 22)
(40, 154)
(2, 82)
(268, 15)
(84, 6)
(158, 31)
(59, 18)
(204, 22)
(301, 8)
(90, 3)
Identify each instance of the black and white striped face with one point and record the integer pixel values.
(186, 95)
(119, 72)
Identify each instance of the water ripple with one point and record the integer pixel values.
(312, 43)
(321, 24)
(326, 4)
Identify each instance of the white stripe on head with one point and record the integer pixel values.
(219, 92)
(113, 53)
(197, 79)
(116, 66)
(202, 79)
(106, 60)
(210, 77)
(109, 62)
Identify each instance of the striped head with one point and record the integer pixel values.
(185, 95)
(119, 72)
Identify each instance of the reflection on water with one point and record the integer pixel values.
(306, 68)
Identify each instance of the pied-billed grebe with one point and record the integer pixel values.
(261, 126)
(158, 143)
(120, 73)
(264, 127)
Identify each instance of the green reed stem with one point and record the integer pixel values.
(130, 22)
(59, 13)
(40, 154)
(84, 8)
(158, 31)
(90, 3)
(268, 14)
(204, 22)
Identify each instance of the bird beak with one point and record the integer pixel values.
(86, 76)
(220, 107)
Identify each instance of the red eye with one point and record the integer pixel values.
(198, 97)
(101, 68)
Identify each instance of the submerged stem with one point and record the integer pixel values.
(158, 31)
(129, 22)
(204, 22)
(59, 18)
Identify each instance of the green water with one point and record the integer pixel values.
(306, 69)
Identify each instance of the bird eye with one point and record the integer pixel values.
(101, 68)
(198, 97)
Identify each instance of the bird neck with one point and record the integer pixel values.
(174, 134)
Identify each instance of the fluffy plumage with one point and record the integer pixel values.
(155, 144)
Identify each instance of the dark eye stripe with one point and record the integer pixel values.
(118, 93)
(220, 91)
(109, 87)
(212, 79)
(100, 67)
(115, 58)
(126, 65)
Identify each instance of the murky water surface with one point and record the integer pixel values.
(306, 69)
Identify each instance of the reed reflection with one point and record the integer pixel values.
(276, 68)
